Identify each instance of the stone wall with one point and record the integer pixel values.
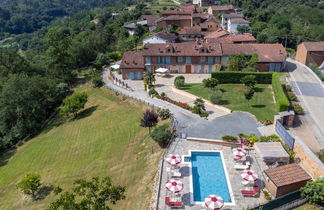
(214, 141)
(307, 159)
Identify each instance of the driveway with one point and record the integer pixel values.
(191, 124)
(310, 92)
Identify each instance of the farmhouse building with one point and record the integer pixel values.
(310, 52)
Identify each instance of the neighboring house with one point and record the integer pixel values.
(220, 9)
(183, 9)
(234, 23)
(132, 66)
(203, 3)
(285, 179)
(202, 57)
(151, 21)
(132, 26)
(160, 38)
(204, 21)
(190, 34)
(310, 52)
(227, 17)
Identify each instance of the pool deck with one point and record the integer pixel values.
(183, 147)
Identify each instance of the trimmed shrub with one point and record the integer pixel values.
(216, 96)
(161, 135)
(229, 138)
(152, 92)
(298, 109)
(249, 81)
(164, 113)
(203, 114)
(292, 96)
(179, 81)
(236, 77)
(281, 99)
(210, 82)
(313, 191)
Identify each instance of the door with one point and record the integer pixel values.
(188, 68)
(139, 77)
(131, 75)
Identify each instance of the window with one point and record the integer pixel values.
(148, 68)
(202, 69)
(180, 59)
(202, 58)
(226, 58)
(161, 60)
(210, 60)
(188, 60)
(210, 68)
(168, 60)
(148, 60)
(217, 58)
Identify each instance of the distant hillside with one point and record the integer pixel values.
(21, 16)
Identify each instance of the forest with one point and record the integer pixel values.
(39, 72)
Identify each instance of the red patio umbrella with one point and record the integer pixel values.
(214, 202)
(174, 185)
(173, 159)
(249, 175)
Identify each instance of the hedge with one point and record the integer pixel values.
(236, 76)
(281, 98)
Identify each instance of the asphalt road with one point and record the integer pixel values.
(310, 92)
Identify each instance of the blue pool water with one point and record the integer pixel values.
(208, 176)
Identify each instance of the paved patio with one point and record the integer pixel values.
(182, 147)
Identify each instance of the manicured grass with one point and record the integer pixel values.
(106, 140)
(262, 104)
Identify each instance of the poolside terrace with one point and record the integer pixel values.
(183, 147)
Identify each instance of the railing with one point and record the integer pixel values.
(119, 82)
(288, 201)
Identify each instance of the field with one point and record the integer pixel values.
(105, 140)
(262, 104)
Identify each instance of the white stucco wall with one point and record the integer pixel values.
(232, 27)
(153, 40)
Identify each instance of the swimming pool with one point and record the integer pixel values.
(209, 176)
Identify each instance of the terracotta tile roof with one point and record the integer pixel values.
(190, 30)
(177, 12)
(233, 15)
(183, 49)
(240, 38)
(166, 36)
(217, 34)
(238, 20)
(132, 60)
(287, 174)
(175, 17)
(266, 52)
(151, 19)
(314, 46)
(222, 7)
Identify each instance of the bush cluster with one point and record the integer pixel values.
(161, 135)
(236, 77)
(282, 101)
(210, 82)
(180, 104)
(292, 96)
(179, 81)
(216, 96)
(164, 113)
(229, 138)
(298, 109)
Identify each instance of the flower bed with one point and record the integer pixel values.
(180, 104)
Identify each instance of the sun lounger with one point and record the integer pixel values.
(253, 192)
(175, 174)
(241, 167)
(173, 204)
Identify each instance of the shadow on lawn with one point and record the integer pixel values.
(259, 89)
(43, 192)
(258, 106)
(6, 156)
(86, 113)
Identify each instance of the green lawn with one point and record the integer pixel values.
(308, 207)
(106, 140)
(262, 104)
